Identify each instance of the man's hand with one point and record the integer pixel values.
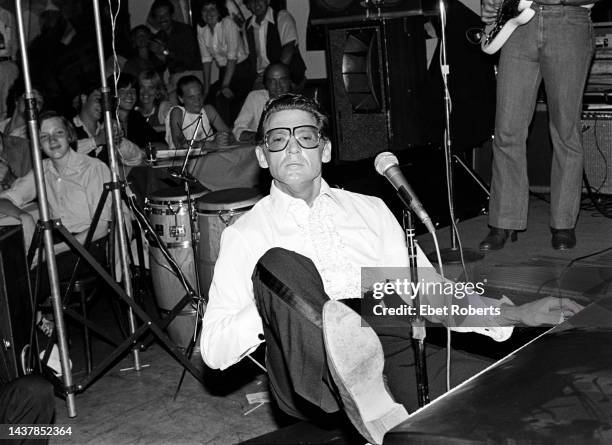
(548, 310)
(488, 10)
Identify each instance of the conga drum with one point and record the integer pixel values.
(216, 211)
(168, 213)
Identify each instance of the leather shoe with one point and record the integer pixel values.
(496, 239)
(355, 359)
(563, 239)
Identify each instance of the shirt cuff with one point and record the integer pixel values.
(494, 330)
(250, 333)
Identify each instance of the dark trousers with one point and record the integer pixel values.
(27, 400)
(241, 84)
(65, 262)
(290, 296)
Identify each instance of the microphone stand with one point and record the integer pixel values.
(195, 242)
(453, 254)
(45, 222)
(418, 322)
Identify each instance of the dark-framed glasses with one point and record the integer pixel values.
(307, 136)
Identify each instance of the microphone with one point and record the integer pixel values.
(386, 164)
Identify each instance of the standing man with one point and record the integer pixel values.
(183, 54)
(306, 244)
(555, 46)
(272, 37)
(8, 50)
(277, 82)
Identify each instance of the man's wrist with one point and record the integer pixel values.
(509, 315)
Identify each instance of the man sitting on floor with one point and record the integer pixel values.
(304, 245)
(277, 81)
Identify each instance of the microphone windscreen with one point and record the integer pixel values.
(385, 160)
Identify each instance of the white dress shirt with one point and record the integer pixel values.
(250, 113)
(223, 44)
(341, 233)
(287, 31)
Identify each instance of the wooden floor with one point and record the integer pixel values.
(128, 407)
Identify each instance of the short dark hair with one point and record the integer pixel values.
(186, 80)
(293, 102)
(50, 114)
(219, 4)
(162, 4)
(274, 65)
(127, 80)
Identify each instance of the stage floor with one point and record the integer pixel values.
(127, 407)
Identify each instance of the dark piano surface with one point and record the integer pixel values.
(555, 390)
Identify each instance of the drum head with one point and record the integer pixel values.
(229, 199)
(176, 194)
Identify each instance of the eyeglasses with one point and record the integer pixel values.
(307, 136)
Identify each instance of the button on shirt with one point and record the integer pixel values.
(341, 233)
(73, 195)
(223, 44)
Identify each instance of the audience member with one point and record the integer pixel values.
(8, 52)
(74, 184)
(153, 101)
(277, 82)
(142, 58)
(184, 121)
(17, 125)
(15, 159)
(220, 40)
(133, 125)
(91, 135)
(182, 14)
(272, 37)
(183, 55)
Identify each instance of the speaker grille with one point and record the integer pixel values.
(597, 143)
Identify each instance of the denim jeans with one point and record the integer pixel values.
(555, 46)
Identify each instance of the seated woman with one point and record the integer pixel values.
(183, 121)
(220, 40)
(153, 101)
(133, 125)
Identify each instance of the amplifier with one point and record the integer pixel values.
(597, 143)
(15, 302)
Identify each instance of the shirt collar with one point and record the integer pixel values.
(73, 165)
(282, 202)
(76, 120)
(269, 17)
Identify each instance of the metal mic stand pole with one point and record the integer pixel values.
(195, 239)
(117, 207)
(453, 254)
(45, 221)
(418, 323)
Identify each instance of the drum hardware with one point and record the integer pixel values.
(168, 212)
